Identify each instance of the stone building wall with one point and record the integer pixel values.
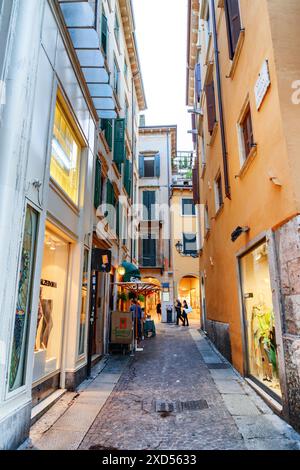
(288, 250)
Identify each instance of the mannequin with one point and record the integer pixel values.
(47, 325)
(262, 329)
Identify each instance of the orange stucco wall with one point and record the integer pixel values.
(255, 200)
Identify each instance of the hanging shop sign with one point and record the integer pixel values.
(101, 260)
(262, 85)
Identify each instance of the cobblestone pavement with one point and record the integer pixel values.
(154, 405)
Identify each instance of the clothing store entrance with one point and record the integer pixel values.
(259, 320)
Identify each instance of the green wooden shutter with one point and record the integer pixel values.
(119, 141)
(128, 177)
(97, 193)
(104, 34)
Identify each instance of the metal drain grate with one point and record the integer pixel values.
(194, 405)
(161, 406)
(220, 365)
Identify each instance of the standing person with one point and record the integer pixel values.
(185, 314)
(158, 310)
(137, 318)
(179, 316)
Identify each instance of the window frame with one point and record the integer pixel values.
(244, 157)
(183, 205)
(184, 242)
(219, 199)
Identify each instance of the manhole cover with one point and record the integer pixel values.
(220, 365)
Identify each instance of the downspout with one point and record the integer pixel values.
(221, 113)
(169, 196)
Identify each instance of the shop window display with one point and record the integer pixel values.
(260, 320)
(84, 289)
(51, 306)
(22, 319)
(65, 155)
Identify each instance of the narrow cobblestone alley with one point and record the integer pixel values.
(176, 394)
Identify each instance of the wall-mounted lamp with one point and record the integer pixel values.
(238, 232)
(179, 247)
(194, 131)
(121, 270)
(195, 111)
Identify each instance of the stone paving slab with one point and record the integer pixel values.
(120, 414)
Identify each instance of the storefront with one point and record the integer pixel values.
(259, 320)
(51, 315)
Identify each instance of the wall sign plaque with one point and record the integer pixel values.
(262, 85)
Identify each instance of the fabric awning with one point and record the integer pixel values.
(131, 272)
(139, 288)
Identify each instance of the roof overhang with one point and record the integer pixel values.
(79, 18)
(155, 130)
(127, 15)
(192, 40)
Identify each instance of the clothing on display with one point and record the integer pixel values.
(264, 341)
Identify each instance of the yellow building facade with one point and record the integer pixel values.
(243, 64)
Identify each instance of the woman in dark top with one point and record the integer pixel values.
(178, 312)
(184, 314)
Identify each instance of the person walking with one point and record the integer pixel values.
(158, 311)
(179, 316)
(185, 313)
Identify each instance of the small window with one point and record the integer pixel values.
(188, 207)
(117, 29)
(206, 219)
(246, 135)
(189, 243)
(218, 192)
(149, 167)
(116, 78)
(104, 34)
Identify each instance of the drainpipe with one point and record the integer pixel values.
(220, 101)
(169, 196)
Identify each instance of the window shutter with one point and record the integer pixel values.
(118, 225)
(198, 84)
(194, 127)
(149, 251)
(127, 177)
(97, 193)
(119, 141)
(196, 186)
(211, 106)
(141, 167)
(233, 20)
(157, 165)
(104, 31)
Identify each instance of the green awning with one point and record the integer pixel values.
(132, 272)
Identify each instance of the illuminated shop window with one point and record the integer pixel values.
(65, 156)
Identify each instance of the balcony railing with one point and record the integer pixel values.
(155, 261)
(182, 168)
